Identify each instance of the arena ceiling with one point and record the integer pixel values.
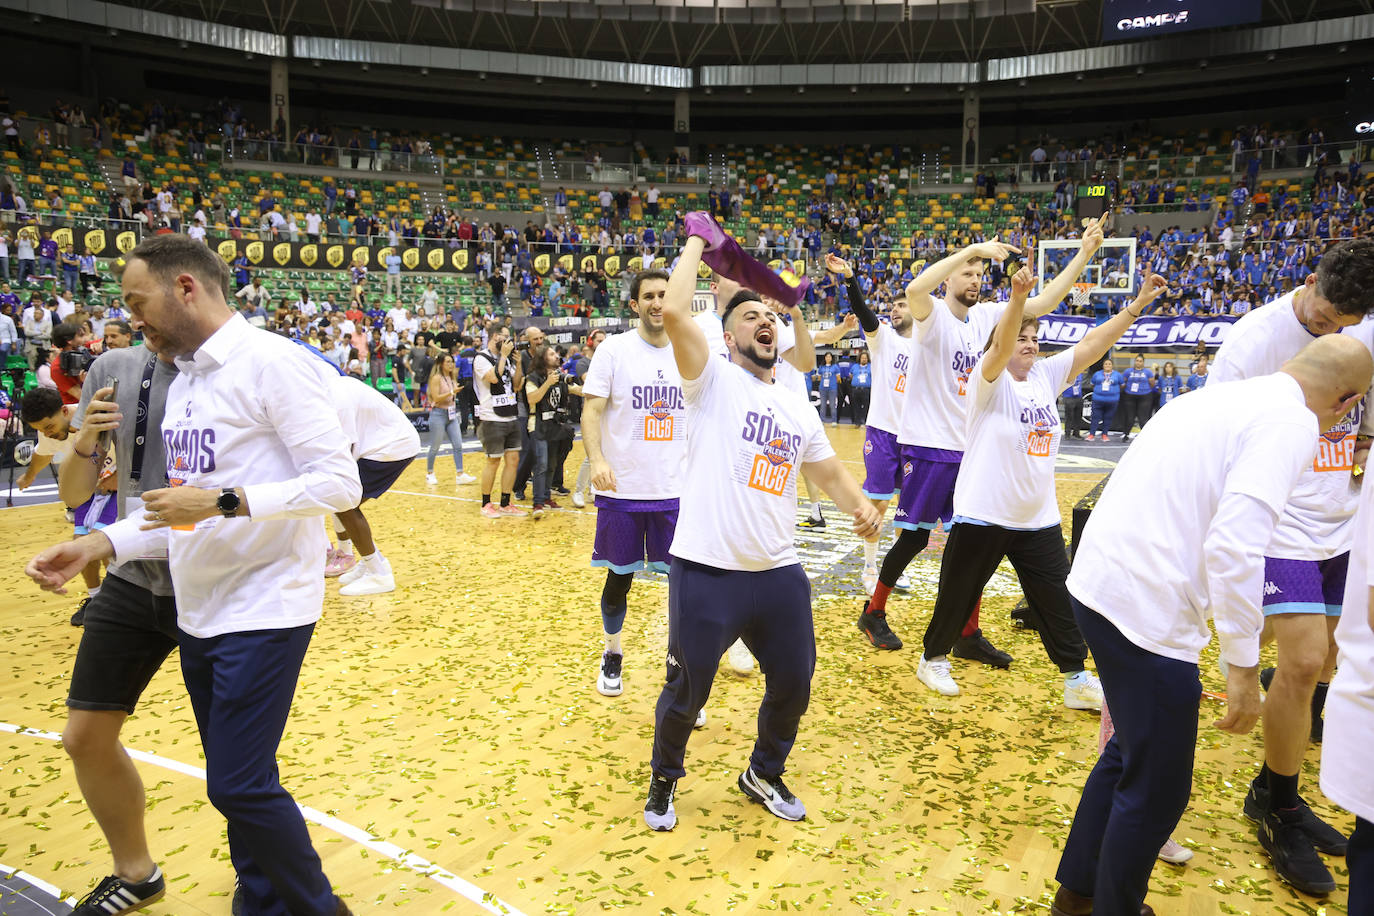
(698, 33)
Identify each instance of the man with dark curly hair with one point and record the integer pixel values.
(1305, 562)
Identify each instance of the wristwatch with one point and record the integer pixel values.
(228, 502)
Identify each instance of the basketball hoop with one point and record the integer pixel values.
(1082, 295)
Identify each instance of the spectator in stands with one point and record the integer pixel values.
(24, 241)
(38, 327)
(5, 256)
(9, 333)
(87, 271)
(1139, 396)
(1199, 376)
(47, 255)
(1170, 384)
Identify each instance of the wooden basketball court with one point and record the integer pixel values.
(454, 755)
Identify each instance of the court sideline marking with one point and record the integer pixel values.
(409, 860)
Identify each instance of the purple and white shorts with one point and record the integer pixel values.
(634, 534)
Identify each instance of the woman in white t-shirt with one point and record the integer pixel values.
(444, 422)
(1005, 503)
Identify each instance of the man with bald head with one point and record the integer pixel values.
(1198, 496)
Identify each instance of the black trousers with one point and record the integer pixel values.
(1137, 409)
(859, 398)
(1041, 563)
(1073, 416)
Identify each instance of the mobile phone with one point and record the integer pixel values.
(107, 437)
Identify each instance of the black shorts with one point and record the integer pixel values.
(127, 635)
(378, 476)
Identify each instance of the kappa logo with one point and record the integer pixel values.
(673, 661)
(1271, 589)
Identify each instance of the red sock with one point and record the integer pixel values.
(878, 603)
(972, 626)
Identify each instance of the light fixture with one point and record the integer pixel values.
(906, 88)
(1079, 77)
(748, 90)
(248, 55)
(482, 76)
(648, 89)
(708, 90)
(315, 63)
(1021, 81)
(801, 90)
(1139, 71)
(539, 80)
(182, 43)
(111, 30)
(1202, 64)
(853, 90)
(366, 68)
(593, 84)
(424, 71)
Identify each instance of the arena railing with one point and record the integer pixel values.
(337, 157)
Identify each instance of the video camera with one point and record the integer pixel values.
(74, 362)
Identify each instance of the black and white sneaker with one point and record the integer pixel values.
(812, 522)
(114, 896)
(773, 794)
(658, 810)
(1294, 857)
(608, 680)
(79, 618)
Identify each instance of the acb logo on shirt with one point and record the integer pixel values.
(773, 468)
(658, 423)
(1335, 451)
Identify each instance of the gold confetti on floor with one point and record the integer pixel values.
(457, 718)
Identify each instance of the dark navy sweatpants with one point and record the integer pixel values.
(241, 687)
(1360, 861)
(708, 609)
(1140, 786)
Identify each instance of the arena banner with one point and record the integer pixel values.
(103, 243)
(1060, 331)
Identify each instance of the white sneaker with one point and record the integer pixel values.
(870, 578)
(578, 500)
(701, 719)
(935, 674)
(1085, 692)
(741, 662)
(903, 583)
(465, 479)
(431, 479)
(353, 575)
(370, 584)
(1174, 853)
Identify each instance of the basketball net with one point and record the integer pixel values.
(1082, 295)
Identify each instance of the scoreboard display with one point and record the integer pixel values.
(1131, 20)
(1091, 201)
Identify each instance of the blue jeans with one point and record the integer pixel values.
(540, 477)
(70, 280)
(46, 266)
(241, 686)
(830, 399)
(1140, 786)
(440, 426)
(1103, 412)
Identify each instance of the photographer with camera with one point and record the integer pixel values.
(548, 392)
(72, 359)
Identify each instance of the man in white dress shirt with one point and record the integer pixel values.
(249, 474)
(1231, 455)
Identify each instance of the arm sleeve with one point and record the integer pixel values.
(868, 319)
(327, 476)
(130, 541)
(1263, 473)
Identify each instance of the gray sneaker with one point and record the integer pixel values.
(658, 810)
(773, 794)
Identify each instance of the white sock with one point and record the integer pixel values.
(870, 554)
(613, 643)
(816, 510)
(1075, 679)
(374, 562)
(338, 527)
(92, 592)
(345, 547)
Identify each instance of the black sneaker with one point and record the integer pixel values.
(658, 810)
(608, 679)
(1266, 678)
(1019, 618)
(114, 896)
(79, 618)
(874, 626)
(810, 522)
(1294, 857)
(976, 648)
(1322, 835)
(773, 794)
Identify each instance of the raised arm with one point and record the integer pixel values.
(838, 332)
(996, 356)
(690, 350)
(868, 319)
(927, 281)
(1099, 340)
(802, 356)
(1055, 290)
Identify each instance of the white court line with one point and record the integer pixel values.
(409, 860)
(49, 889)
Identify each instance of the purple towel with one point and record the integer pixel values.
(724, 255)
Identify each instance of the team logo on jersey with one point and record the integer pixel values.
(962, 364)
(1336, 446)
(771, 465)
(906, 469)
(659, 403)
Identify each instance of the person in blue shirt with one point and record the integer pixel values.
(860, 389)
(1072, 397)
(1170, 384)
(1107, 385)
(1199, 376)
(1138, 397)
(830, 389)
